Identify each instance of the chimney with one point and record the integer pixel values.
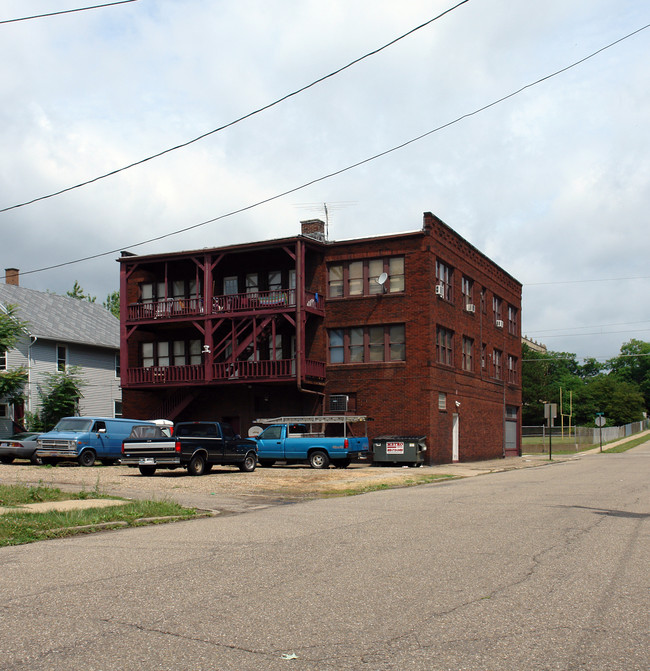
(12, 276)
(313, 228)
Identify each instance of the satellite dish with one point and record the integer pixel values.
(382, 278)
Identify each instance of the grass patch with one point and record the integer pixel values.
(378, 486)
(20, 526)
(628, 445)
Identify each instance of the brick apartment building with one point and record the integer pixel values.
(419, 331)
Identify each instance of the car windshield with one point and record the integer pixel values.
(74, 424)
(23, 436)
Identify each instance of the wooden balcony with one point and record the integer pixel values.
(223, 372)
(256, 302)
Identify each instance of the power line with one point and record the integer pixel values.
(66, 11)
(592, 326)
(346, 169)
(236, 121)
(611, 279)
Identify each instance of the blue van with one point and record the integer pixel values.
(86, 439)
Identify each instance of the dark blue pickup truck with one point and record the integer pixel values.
(196, 446)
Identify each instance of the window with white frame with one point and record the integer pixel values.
(467, 290)
(118, 371)
(442, 401)
(497, 307)
(512, 369)
(3, 360)
(512, 320)
(444, 279)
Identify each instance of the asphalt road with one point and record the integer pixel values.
(538, 568)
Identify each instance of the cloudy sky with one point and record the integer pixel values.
(553, 183)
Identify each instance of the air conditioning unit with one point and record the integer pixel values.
(440, 290)
(499, 323)
(470, 307)
(338, 403)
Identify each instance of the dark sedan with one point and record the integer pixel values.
(19, 446)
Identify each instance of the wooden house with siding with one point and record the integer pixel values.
(61, 332)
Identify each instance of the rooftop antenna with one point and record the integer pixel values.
(325, 210)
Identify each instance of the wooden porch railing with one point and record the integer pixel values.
(278, 299)
(283, 369)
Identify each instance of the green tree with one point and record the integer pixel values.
(621, 402)
(78, 293)
(633, 365)
(542, 376)
(112, 303)
(60, 394)
(12, 381)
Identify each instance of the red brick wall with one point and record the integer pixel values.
(402, 398)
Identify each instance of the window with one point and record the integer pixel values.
(360, 278)
(468, 354)
(275, 280)
(445, 346)
(368, 344)
(442, 401)
(444, 277)
(497, 355)
(117, 408)
(3, 360)
(512, 369)
(252, 283)
(61, 358)
(186, 352)
(484, 357)
(117, 365)
(467, 289)
(497, 306)
(175, 353)
(152, 291)
(230, 285)
(512, 320)
(336, 346)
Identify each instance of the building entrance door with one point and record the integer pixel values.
(454, 438)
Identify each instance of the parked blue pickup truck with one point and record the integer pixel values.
(295, 440)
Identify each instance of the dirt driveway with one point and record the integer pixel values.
(227, 489)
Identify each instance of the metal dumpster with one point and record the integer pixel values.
(403, 450)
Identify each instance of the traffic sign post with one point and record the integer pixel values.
(550, 413)
(600, 422)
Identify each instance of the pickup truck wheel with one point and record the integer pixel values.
(319, 459)
(86, 458)
(249, 463)
(147, 470)
(267, 463)
(341, 463)
(196, 465)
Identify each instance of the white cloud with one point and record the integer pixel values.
(553, 184)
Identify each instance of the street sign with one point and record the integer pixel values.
(600, 420)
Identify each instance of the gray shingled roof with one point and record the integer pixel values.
(63, 318)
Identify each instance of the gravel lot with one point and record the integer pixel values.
(279, 482)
